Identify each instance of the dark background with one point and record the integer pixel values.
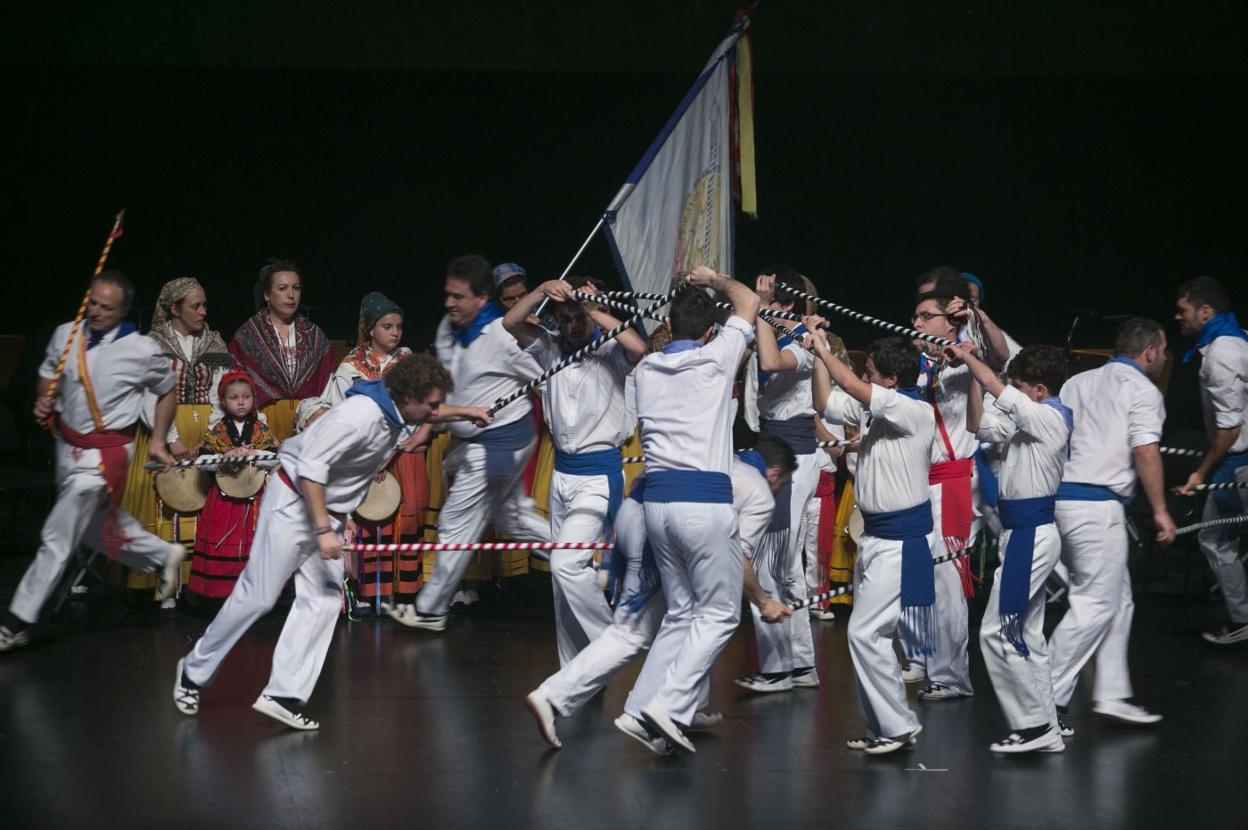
(1071, 155)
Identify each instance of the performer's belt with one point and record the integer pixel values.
(597, 463)
(918, 574)
(502, 442)
(1228, 501)
(1078, 491)
(1021, 517)
(955, 470)
(695, 486)
(638, 493)
(114, 466)
(956, 509)
(798, 433)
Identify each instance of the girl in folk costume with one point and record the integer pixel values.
(287, 356)
(227, 524)
(377, 350)
(200, 359)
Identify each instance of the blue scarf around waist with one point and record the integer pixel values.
(1228, 501)
(798, 433)
(1021, 517)
(1078, 491)
(694, 486)
(502, 443)
(596, 463)
(1222, 324)
(918, 575)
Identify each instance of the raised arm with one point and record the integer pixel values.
(840, 374)
(770, 357)
(982, 377)
(744, 302)
(630, 341)
(516, 319)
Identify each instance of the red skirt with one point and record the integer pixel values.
(409, 469)
(222, 543)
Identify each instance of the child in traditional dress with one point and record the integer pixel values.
(226, 524)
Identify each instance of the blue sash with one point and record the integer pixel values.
(1077, 491)
(1228, 501)
(798, 433)
(695, 486)
(502, 443)
(638, 493)
(989, 488)
(918, 574)
(1021, 517)
(598, 463)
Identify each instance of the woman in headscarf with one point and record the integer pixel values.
(286, 354)
(199, 358)
(377, 350)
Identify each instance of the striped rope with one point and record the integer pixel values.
(1182, 453)
(216, 460)
(617, 305)
(849, 589)
(1223, 485)
(450, 546)
(1199, 526)
(866, 318)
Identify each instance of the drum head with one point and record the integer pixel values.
(242, 482)
(382, 500)
(183, 490)
(855, 525)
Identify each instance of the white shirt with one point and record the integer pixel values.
(344, 450)
(753, 500)
(121, 371)
(584, 404)
(894, 455)
(1224, 387)
(785, 395)
(491, 367)
(345, 376)
(1033, 438)
(954, 386)
(1117, 408)
(684, 402)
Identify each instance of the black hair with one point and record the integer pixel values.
(416, 375)
(1135, 335)
(895, 357)
(692, 314)
(475, 270)
(1205, 291)
(1038, 363)
(776, 453)
(264, 282)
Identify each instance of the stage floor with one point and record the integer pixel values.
(430, 730)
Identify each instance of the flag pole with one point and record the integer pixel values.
(563, 277)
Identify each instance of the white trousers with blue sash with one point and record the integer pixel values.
(578, 513)
(1221, 547)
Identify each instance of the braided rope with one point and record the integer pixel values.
(866, 318)
(1229, 520)
(1223, 485)
(216, 460)
(1181, 452)
(849, 589)
(451, 546)
(617, 305)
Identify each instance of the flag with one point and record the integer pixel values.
(675, 210)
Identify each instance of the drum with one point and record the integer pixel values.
(382, 500)
(183, 490)
(855, 526)
(241, 481)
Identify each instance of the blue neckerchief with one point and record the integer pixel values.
(754, 460)
(376, 391)
(681, 346)
(931, 370)
(912, 392)
(791, 337)
(1129, 362)
(489, 312)
(918, 574)
(565, 348)
(597, 463)
(1021, 517)
(123, 328)
(1068, 415)
(1222, 324)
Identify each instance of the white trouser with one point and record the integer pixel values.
(1221, 548)
(635, 623)
(810, 544)
(698, 552)
(1024, 685)
(1094, 548)
(284, 544)
(877, 613)
(476, 497)
(80, 509)
(578, 513)
(950, 665)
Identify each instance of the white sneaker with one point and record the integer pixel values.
(407, 615)
(861, 744)
(1122, 710)
(667, 727)
(544, 714)
(822, 614)
(705, 720)
(1049, 741)
(636, 730)
(765, 685)
(939, 691)
(185, 698)
(806, 678)
(266, 705)
(170, 576)
(11, 640)
(1229, 635)
(913, 673)
(883, 746)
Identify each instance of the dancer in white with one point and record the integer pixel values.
(584, 408)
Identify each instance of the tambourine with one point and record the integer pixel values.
(242, 481)
(183, 490)
(382, 500)
(855, 526)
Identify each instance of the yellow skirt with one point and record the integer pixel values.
(844, 551)
(140, 500)
(280, 416)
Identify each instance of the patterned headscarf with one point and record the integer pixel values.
(172, 292)
(373, 307)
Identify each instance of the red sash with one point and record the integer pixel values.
(826, 493)
(112, 445)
